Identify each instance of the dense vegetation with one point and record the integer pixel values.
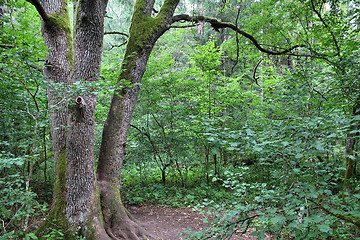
(269, 141)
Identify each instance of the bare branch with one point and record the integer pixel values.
(254, 75)
(327, 27)
(217, 24)
(40, 9)
(116, 33)
(186, 26)
(7, 46)
(40, 69)
(116, 46)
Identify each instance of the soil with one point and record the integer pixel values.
(168, 223)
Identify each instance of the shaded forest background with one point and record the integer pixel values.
(271, 140)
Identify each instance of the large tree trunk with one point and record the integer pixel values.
(81, 206)
(58, 70)
(82, 202)
(76, 204)
(144, 32)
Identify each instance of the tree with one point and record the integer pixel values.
(89, 204)
(75, 204)
(82, 205)
(86, 203)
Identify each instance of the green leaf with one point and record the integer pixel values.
(32, 236)
(278, 220)
(325, 228)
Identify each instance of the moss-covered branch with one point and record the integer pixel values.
(347, 218)
(217, 24)
(168, 8)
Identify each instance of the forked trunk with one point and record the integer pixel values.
(82, 205)
(76, 206)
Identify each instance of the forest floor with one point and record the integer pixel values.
(167, 223)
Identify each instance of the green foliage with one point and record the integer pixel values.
(17, 203)
(152, 191)
(272, 137)
(258, 140)
(24, 151)
(305, 210)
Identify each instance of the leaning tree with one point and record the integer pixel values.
(87, 203)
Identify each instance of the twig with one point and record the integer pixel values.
(116, 33)
(254, 75)
(326, 26)
(116, 46)
(7, 46)
(40, 69)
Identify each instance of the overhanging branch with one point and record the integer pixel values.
(40, 9)
(186, 26)
(217, 24)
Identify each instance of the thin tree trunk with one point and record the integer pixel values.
(350, 157)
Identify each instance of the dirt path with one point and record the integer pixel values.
(167, 223)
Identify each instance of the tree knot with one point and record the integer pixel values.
(80, 102)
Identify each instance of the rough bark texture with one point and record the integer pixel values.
(80, 183)
(82, 205)
(144, 32)
(76, 205)
(350, 162)
(58, 70)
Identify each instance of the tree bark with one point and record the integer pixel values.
(76, 204)
(350, 157)
(58, 69)
(144, 32)
(82, 205)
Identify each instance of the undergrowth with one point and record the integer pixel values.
(173, 193)
(284, 203)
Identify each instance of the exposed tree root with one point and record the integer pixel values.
(119, 224)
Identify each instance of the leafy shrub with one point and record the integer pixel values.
(307, 209)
